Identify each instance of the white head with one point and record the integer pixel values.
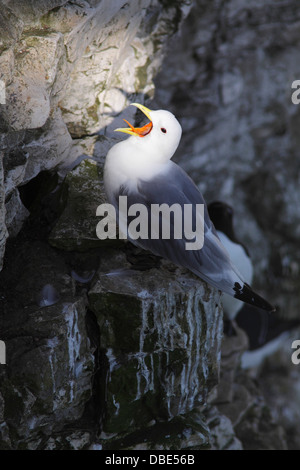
(160, 137)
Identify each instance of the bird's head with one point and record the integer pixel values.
(160, 137)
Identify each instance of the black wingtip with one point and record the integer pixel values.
(247, 295)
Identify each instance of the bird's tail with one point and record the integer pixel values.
(246, 294)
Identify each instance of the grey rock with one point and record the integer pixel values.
(240, 129)
(16, 213)
(82, 193)
(184, 432)
(279, 380)
(232, 349)
(35, 68)
(222, 433)
(11, 27)
(5, 442)
(33, 9)
(69, 70)
(47, 296)
(3, 229)
(14, 169)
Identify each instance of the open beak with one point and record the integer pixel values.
(140, 131)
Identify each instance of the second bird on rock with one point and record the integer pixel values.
(141, 169)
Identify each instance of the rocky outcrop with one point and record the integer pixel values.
(69, 69)
(236, 64)
(162, 354)
(140, 350)
(3, 232)
(50, 361)
(108, 347)
(232, 93)
(81, 193)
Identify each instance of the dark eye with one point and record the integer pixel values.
(164, 131)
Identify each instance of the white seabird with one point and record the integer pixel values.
(140, 168)
(221, 215)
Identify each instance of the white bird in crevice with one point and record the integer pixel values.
(221, 214)
(140, 168)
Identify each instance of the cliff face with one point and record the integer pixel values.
(107, 347)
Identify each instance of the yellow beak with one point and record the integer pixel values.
(138, 131)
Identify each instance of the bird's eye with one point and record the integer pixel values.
(164, 131)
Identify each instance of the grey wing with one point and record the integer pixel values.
(211, 262)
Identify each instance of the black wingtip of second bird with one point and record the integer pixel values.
(246, 294)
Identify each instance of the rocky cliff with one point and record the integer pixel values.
(233, 95)
(107, 347)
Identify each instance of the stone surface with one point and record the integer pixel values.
(161, 333)
(16, 213)
(223, 436)
(48, 377)
(68, 72)
(3, 229)
(244, 414)
(278, 377)
(232, 349)
(232, 95)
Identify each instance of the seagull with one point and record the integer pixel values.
(221, 214)
(141, 169)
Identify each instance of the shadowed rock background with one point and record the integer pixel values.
(107, 347)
